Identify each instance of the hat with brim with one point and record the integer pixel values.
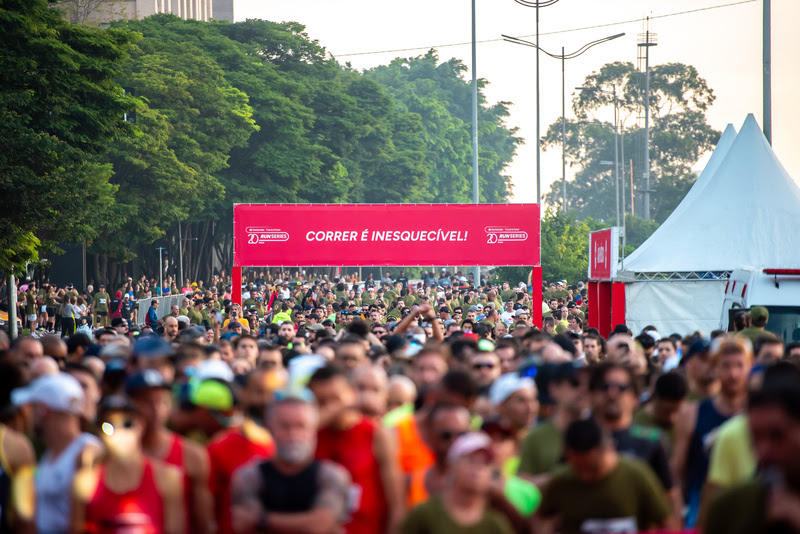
(60, 392)
(468, 444)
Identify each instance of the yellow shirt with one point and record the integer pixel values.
(732, 456)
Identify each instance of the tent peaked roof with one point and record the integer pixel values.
(741, 215)
(655, 241)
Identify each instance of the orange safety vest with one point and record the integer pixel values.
(414, 458)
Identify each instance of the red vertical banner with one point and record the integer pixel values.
(236, 285)
(617, 303)
(604, 308)
(536, 297)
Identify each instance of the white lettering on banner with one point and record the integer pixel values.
(498, 234)
(260, 234)
(381, 235)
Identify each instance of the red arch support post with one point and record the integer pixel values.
(236, 285)
(536, 297)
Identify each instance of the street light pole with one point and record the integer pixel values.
(563, 136)
(475, 195)
(536, 4)
(563, 56)
(616, 150)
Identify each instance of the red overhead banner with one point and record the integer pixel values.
(603, 254)
(323, 235)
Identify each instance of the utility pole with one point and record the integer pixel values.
(767, 75)
(12, 306)
(180, 253)
(475, 195)
(646, 43)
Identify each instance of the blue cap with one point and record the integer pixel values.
(152, 347)
(698, 346)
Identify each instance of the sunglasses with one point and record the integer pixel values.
(608, 386)
(116, 421)
(483, 365)
(450, 435)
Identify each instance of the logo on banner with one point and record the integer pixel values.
(257, 235)
(499, 234)
(600, 255)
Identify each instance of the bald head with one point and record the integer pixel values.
(44, 366)
(401, 391)
(170, 328)
(96, 365)
(54, 346)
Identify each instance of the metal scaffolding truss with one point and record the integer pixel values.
(689, 275)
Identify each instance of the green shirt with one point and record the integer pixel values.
(101, 301)
(630, 496)
(195, 317)
(524, 495)
(431, 517)
(752, 333)
(30, 297)
(642, 418)
(542, 449)
(738, 510)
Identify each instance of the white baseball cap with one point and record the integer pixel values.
(60, 392)
(211, 369)
(507, 385)
(469, 443)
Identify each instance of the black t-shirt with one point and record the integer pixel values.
(403, 280)
(126, 309)
(645, 444)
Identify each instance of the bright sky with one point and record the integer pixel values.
(724, 44)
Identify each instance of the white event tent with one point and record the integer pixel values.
(741, 212)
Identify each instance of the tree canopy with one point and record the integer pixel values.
(679, 136)
(59, 107)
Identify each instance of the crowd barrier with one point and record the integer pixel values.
(164, 305)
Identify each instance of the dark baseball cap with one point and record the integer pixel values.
(151, 347)
(145, 380)
(698, 346)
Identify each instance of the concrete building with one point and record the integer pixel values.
(204, 10)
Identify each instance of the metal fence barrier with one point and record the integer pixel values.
(164, 305)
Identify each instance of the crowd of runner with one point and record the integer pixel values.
(435, 405)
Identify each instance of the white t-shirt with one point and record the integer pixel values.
(54, 478)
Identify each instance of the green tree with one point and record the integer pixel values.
(442, 98)
(565, 245)
(59, 106)
(679, 135)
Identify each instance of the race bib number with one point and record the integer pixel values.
(617, 525)
(102, 301)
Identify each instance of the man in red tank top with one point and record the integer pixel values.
(357, 443)
(150, 395)
(126, 492)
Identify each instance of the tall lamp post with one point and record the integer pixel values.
(536, 4)
(475, 194)
(563, 57)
